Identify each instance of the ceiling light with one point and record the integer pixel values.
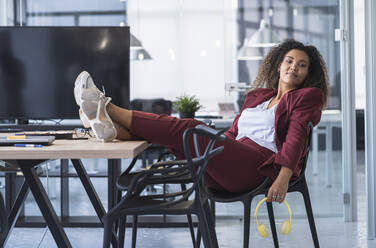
(139, 55)
(263, 37)
(249, 53)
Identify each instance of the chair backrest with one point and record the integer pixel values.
(156, 105)
(304, 159)
(308, 145)
(198, 163)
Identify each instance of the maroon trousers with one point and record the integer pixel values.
(234, 169)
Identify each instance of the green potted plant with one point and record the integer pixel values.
(187, 106)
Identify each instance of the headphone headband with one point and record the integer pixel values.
(263, 200)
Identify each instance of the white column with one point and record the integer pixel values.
(370, 114)
(348, 109)
(3, 12)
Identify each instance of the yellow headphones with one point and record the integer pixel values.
(286, 225)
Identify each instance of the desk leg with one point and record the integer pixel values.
(15, 211)
(45, 206)
(10, 189)
(92, 194)
(64, 189)
(114, 170)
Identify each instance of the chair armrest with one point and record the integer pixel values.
(211, 133)
(125, 179)
(167, 164)
(144, 178)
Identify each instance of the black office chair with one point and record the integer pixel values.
(298, 185)
(177, 203)
(124, 180)
(152, 153)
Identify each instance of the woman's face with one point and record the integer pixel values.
(294, 68)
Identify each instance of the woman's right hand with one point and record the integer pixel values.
(277, 192)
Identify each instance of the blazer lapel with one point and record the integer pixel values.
(263, 97)
(281, 117)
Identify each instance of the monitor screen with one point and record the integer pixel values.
(38, 67)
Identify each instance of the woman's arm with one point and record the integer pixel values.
(277, 192)
(305, 107)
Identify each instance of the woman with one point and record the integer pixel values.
(267, 138)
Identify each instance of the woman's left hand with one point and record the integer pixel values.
(277, 192)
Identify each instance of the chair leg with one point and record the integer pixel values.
(272, 223)
(134, 232)
(311, 220)
(206, 226)
(117, 200)
(191, 229)
(189, 217)
(212, 232)
(122, 223)
(202, 223)
(107, 235)
(198, 239)
(246, 223)
(212, 210)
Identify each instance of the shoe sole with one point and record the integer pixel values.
(80, 84)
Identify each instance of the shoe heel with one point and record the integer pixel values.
(104, 133)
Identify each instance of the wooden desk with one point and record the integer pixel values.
(75, 149)
(28, 158)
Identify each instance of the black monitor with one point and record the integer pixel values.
(38, 67)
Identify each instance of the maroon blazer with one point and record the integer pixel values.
(295, 109)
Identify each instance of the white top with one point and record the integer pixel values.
(257, 124)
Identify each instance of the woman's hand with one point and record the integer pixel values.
(277, 192)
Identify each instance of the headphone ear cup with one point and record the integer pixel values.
(262, 230)
(286, 227)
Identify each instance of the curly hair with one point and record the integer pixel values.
(268, 74)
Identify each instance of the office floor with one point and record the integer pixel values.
(332, 230)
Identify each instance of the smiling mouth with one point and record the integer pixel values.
(291, 74)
